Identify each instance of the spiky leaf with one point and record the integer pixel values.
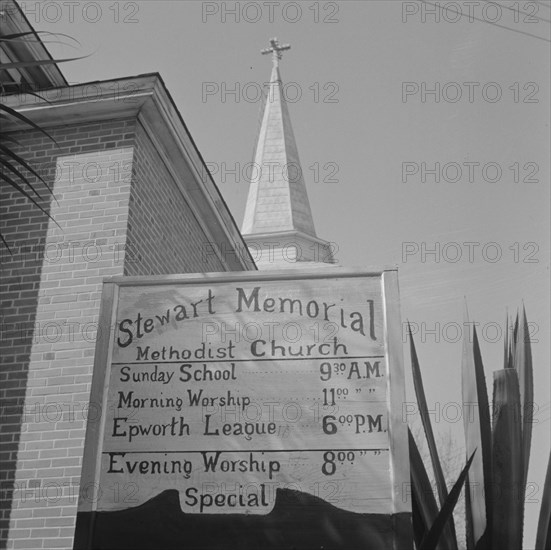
(523, 366)
(9, 112)
(507, 486)
(449, 539)
(38, 62)
(431, 540)
(476, 423)
(543, 537)
(506, 354)
(424, 507)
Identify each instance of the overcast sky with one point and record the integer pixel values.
(370, 134)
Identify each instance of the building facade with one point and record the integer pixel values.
(131, 196)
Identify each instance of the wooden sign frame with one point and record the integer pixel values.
(401, 534)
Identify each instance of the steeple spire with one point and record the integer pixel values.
(277, 200)
(277, 206)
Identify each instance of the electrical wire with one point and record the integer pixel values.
(518, 11)
(490, 22)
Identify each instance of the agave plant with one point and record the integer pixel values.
(498, 447)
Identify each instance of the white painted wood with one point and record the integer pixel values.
(199, 365)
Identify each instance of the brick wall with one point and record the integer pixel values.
(54, 284)
(113, 193)
(164, 235)
(20, 274)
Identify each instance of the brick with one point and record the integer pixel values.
(142, 226)
(34, 522)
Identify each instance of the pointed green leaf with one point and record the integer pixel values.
(12, 112)
(469, 535)
(33, 34)
(506, 363)
(507, 486)
(9, 138)
(34, 94)
(424, 507)
(6, 244)
(7, 151)
(543, 536)
(6, 164)
(37, 62)
(476, 423)
(431, 540)
(449, 539)
(514, 339)
(523, 366)
(15, 36)
(15, 185)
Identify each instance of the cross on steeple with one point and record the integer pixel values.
(276, 50)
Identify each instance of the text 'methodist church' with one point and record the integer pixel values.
(131, 199)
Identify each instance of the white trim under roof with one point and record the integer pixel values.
(146, 99)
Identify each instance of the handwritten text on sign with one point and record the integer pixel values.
(230, 391)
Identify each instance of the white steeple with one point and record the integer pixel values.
(278, 224)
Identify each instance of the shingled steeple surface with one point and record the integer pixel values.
(278, 200)
(278, 226)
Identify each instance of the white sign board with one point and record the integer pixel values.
(242, 390)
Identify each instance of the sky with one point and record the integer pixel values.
(385, 99)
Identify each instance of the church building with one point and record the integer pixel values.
(129, 197)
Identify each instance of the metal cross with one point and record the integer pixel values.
(276, 50)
